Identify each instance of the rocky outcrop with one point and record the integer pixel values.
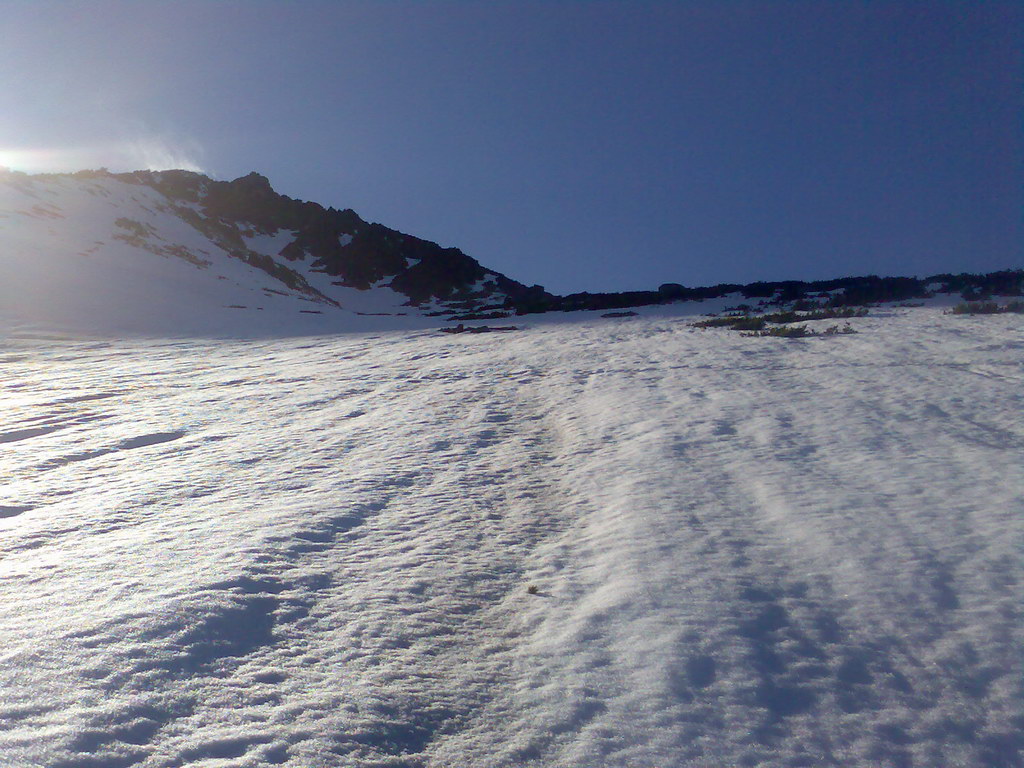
(338, 243)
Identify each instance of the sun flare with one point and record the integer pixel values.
(142, 153)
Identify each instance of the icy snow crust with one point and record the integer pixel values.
(317, 551)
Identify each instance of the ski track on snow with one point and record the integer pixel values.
(316, 551)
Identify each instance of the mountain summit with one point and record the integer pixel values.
(148, 241)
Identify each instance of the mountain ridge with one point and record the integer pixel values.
(82, 244)
(343, 244)
(176, 252)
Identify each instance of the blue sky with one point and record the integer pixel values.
(580, 145)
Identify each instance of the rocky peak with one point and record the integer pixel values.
(254, 184)
(338, 242)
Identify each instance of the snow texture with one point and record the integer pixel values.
(592, 543)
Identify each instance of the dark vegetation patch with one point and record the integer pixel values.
(988, 308)
(800, 331)
(756, 324)
(460, 328)
(474, 315)
(803, 296)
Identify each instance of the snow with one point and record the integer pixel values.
(269, 244)
(378, 299)
(316, 550)
(75, 268)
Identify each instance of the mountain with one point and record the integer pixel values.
(151, 248)
(178, 253)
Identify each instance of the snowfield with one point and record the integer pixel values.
(594, 543)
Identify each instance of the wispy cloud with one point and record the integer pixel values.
(157, 153)
(144, 152)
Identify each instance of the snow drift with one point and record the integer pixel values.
(608, 543)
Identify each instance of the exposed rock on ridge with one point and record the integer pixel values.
(337, 243)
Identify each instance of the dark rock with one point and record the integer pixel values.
(338, 243)
(460, 328)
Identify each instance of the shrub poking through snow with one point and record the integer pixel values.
(748, 324)
(758, 322)
(801, 331)
(988, 308)
(784, 331)
(720, 322)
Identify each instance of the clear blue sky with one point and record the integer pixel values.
(580, 145)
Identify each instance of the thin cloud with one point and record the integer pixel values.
(154, 153)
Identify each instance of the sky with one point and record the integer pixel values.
(594, 146)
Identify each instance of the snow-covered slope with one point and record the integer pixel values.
(177, 253)
(320, 551)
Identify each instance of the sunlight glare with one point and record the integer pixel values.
(152, 153)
